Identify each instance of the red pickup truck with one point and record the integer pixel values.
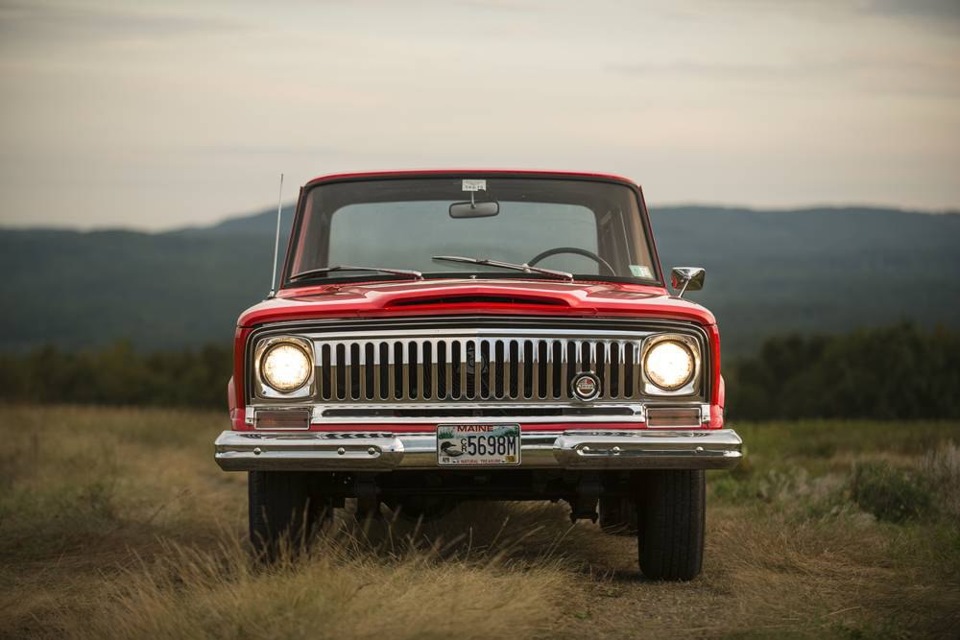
(440, 336)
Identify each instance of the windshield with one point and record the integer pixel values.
(589, 229)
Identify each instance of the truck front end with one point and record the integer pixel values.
(446, 336)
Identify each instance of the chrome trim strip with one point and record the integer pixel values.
(632, 413)
(579, 449)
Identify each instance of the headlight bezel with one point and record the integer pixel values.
(691, 386)
(263, 388)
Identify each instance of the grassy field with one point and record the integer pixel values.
(117, 523)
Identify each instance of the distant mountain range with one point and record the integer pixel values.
(768, 273)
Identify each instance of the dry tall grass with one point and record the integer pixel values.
(117, 523)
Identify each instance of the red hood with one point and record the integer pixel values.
(494, 296)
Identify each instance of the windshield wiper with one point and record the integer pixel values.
(416, 275)
(507, 265)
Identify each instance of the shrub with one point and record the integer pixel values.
(890, 494)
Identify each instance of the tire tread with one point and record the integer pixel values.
(670, 539)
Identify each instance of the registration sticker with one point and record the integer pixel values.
(474, 185)
(478, 444)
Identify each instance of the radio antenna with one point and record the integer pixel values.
(276, 242)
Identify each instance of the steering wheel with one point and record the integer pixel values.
(576, 250)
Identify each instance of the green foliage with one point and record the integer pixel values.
(899, 372)
(889, 493)
(118, 375)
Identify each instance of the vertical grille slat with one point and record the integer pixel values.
(490, 358)
(362, 370)
(578, 356)
(448, 371)
(535, 369)
(507, 369)
(391, 371)
(416, 351)
(549, 369)
(435, 370)
(621, 369)
(376, 371)
(336, 371)
(348, 387)
(475, 369)
(564, 372)
(521, 370)
(325, 370)
(462, 392)
(499, 370)
(404, 369)
(605, 346)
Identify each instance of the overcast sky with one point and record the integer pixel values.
(158, 114)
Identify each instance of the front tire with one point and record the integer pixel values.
(284, 511)
(673, 518)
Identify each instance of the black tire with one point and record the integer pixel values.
(618, 515)
(284, 511)
(673, 517)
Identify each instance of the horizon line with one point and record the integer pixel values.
(4, 226)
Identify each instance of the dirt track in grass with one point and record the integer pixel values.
(117, 523)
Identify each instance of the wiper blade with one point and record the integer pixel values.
(507, 265)
(416, 275)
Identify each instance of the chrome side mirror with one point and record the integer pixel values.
(685, 279)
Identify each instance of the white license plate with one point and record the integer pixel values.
(478, 444)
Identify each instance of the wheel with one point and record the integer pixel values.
(672, 508)
(575, 250)
(284, 511)
(618, 515)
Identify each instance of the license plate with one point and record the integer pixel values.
(478, 444)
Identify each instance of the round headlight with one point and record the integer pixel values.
(669, 364)
(285, 367)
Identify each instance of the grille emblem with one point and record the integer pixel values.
(586, 386)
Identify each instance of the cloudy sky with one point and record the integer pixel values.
(162, 113)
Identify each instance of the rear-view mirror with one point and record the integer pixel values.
(474, 209)
(686, 279)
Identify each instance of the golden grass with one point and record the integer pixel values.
(333, 593)
(117, 523)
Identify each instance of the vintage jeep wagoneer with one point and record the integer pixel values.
(440, 336)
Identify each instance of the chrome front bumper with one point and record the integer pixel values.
(384, 451)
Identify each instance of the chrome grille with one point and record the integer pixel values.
(481, 366)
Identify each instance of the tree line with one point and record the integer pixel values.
(898, 372)
(118, 375)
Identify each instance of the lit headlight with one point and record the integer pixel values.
(285, 366)
(669, 364)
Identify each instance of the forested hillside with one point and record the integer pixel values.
(817, 270)
(768, 273)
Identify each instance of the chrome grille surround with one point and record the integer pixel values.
(394, 372)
